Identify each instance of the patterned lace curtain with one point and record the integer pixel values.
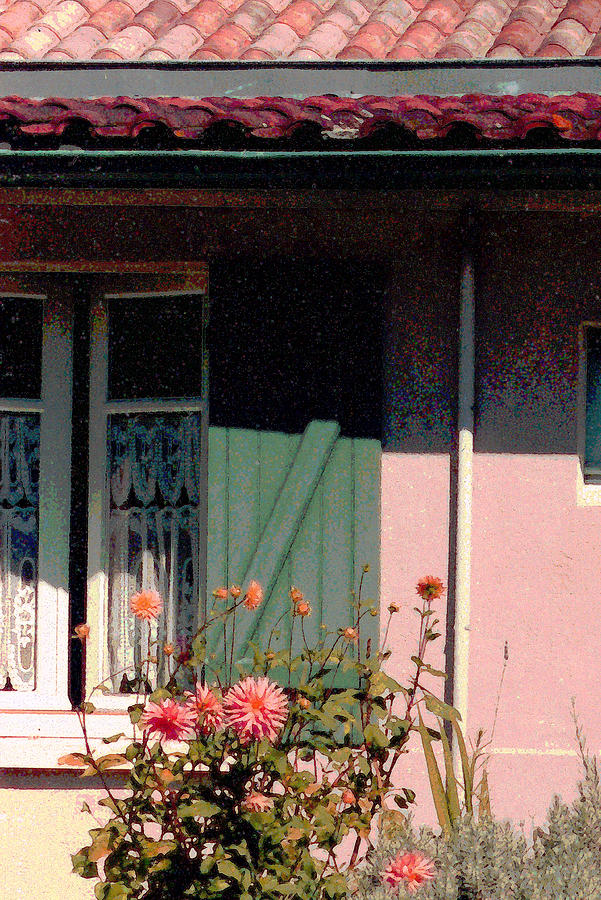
(154, 533)
(19, 475)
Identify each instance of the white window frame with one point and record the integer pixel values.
(97, 665)
(37, 727)
(587, 493)
(52, 609)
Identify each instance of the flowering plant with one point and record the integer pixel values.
(242, 786)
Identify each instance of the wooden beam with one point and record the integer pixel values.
(528, 201)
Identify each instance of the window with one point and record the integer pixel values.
(147, 516)
(592, 448)
(140, 453)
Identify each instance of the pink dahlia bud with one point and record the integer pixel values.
(207, 709)
(348, 798)
(410, 869)
(303, 608)
(350, 634)
(256, 802)
(169, 720)
(255, 708)
(235, 591)
(220, 593)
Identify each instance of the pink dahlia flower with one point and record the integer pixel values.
(410, 869)
(256, 802)
(255, 708)
(207, 708)
(146, 605)
(169, 720)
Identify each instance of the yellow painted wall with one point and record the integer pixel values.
(40, 826)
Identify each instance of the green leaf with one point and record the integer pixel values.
(155, 848)
(199, 808)
(112, 738)
(375, 735)
(438, 672)
(436, 786)
(441, 709)
(468, 782)
(484, 805)
(135, 712)
(160, 694)
(229, 869)
(88, 707)
(450, 780)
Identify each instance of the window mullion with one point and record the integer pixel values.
(55, 491)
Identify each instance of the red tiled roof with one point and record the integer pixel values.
(576, 117)
(297, 29)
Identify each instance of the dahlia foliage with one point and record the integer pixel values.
(244, 776)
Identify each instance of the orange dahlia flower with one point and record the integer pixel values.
(255, 708)
(410, 869)
(253, 596)
(146, 605)
(430, 588)
(82, 631)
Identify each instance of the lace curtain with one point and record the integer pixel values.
(153, 532)
(19, 476)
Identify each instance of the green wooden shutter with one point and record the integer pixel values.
(300, 510)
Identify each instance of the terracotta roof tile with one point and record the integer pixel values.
(298, 29)
(112, 17)
(82, 44)
(493, 14)
(127, 44)
(229, 42)
(444, 14)
(424, 37)
(301, 15)
(587, 12)
(183, 38)
(469, 41)
(277, 39)
(18, 18)
(570, 35)
(157, 16)
(207, 16)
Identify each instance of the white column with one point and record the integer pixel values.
(465, 428)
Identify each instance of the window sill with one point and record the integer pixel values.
(36, 739)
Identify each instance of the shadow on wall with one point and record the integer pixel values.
(537, 280)
(291, 340)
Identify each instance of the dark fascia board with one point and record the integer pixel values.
(241, 79)
(384, 170)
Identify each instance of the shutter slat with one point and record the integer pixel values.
(244, 505)
(217, 549)
(367, 529)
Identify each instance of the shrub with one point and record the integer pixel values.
(491, 860)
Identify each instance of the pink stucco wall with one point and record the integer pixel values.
(535, 552)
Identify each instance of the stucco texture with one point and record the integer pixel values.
(535, 550)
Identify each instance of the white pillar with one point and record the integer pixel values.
(465, 428)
